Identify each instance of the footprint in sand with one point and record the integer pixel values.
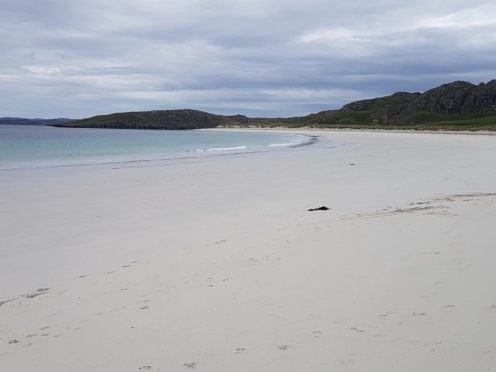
(129, 264)
(11, 342)
(190, 365)
(418, 314)
(39, 292)
(347, 361)
(3, 302)
(80, 276)
(239, 350)
(357, 330)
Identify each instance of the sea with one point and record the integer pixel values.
(29, 146)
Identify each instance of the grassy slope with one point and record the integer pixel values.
(362, 120)
(166, 119)
(401, 111)
(110, 119)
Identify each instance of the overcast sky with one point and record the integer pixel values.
(62, 58)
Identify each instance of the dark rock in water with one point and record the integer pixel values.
(323, 208)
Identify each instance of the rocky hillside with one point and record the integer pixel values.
(449, 102)
(162, 119)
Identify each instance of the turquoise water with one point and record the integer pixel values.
(39, 146)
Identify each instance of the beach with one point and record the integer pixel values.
(216, 264)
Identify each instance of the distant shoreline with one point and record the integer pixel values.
(358, 130)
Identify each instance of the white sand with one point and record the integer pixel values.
(216, 265)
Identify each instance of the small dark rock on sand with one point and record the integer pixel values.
(323, 208)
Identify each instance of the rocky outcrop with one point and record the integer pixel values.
(459, 97)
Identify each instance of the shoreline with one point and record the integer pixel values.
(351, 130)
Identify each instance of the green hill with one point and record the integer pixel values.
(454, 106)
(161, 119)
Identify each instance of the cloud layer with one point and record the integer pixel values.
(260, 58)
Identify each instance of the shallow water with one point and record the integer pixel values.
(40, 146)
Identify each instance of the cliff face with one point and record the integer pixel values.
(162, 119)
(457, 97)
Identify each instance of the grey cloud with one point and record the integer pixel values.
(230, 56)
